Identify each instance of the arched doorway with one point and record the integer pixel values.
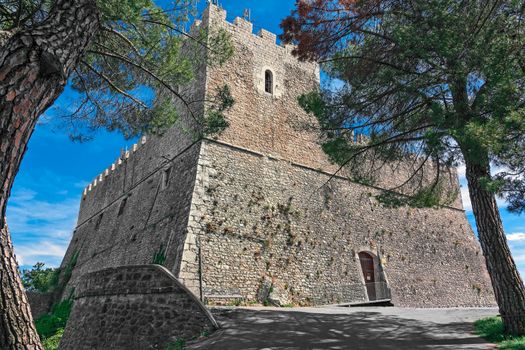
(369, 274)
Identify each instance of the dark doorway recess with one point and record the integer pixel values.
(367, 265)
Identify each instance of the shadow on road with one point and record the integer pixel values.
(251, 329)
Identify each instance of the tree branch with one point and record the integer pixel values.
(113, 86)
(151, 74)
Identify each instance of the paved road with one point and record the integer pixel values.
(370, 328)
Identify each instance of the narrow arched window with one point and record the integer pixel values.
(268, 82)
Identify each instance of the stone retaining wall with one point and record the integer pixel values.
(133, 307)
(40, 303)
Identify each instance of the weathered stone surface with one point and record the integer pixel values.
(40, 303)
(133, 307)
(269, 221)
(135, 213)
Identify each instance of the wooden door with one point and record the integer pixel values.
(367, 265)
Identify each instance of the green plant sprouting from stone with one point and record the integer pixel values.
(178, 344)
(69, 269)
(159, 258)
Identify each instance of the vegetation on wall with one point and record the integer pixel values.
(159, 257)
(66, 274)
(179, 344)
(50, 327)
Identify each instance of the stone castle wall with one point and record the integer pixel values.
(268, 123)
(275, 124)
(40, 302)
(133, 307)
(141, 218)
(262, 220)
(139, 206)
(252, 209)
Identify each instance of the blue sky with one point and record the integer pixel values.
(42, 210)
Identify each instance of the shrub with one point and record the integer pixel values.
(50, 327)
(40, 279)
(52, 342)
(52, 323)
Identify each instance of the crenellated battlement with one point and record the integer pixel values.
(216, 15)
(124, 155)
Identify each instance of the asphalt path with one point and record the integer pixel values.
(363, 328)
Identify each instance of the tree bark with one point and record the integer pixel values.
(16, 322)
(34, 66)
(506, 281)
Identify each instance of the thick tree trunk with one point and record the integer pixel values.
(34, 66)
(16, 324)
(508, 286)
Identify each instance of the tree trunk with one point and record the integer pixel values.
(16, 324)
(34, 66)
(506, 281)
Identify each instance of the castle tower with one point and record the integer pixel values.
(251, 213)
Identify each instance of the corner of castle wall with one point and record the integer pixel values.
(214, 16)
(213, 13)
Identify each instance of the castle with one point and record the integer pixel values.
(251, 214)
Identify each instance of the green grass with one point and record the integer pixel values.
(491, 328)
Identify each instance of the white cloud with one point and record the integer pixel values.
(43, 251)
(517, 248)
(515, 237)
(54, 226)
(461, 171)
(42, 218)
(467, 205)
(23, 194)
(41, 229)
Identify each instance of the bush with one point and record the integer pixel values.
(52, 342)
(40, 279)
(51, 324)
(491, 328)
